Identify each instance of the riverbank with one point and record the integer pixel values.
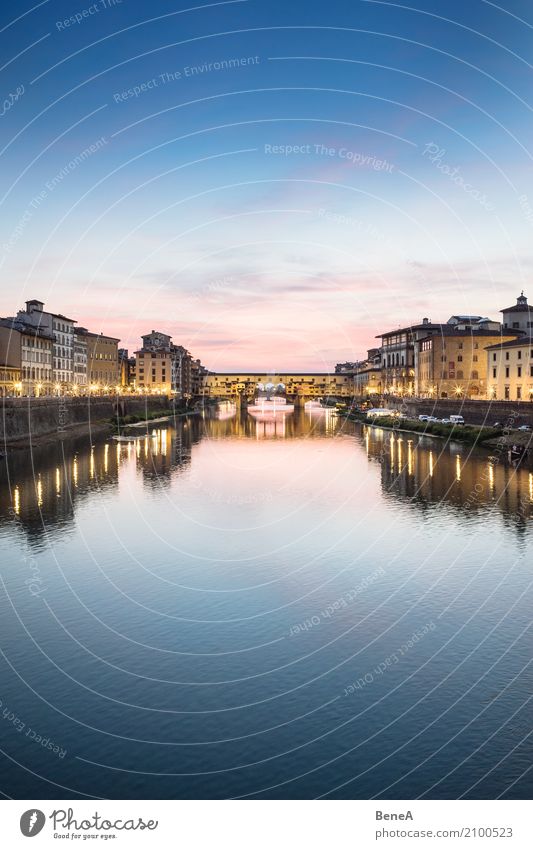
(470, 434)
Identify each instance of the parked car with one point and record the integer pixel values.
(457, 420)
(423, 418)
(524, 427)
(497, 424)
(446, 421)
(432, 419)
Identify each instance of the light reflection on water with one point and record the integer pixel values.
(191, 608)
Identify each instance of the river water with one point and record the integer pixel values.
(233, 608)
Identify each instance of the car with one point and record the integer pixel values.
(457, 420)
(423, 418)
(446, 421)
(524, 427)
(432, 419)
(497, 424)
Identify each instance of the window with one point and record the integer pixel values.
(519, 371)
(519, 355)
(476, 346)
(507, 371)
(516, 325)
(507, 355)
(460, 358)
(460, 375)
(475, 375)
(518, 393)
(494, 358)
(506, 393)
(475, 358)
(494, 372)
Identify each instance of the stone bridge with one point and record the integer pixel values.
(299, 386)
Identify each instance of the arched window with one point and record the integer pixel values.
(460, 375)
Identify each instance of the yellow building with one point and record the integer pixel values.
(510, 370)
(103, 373)
(453, 363)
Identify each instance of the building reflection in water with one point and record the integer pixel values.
(440, 474)
(42, 491)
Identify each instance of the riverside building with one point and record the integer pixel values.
(510, 370)
(61, 330)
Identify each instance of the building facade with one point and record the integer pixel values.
(453, 363)
(126, 367)
(61, 329)
(29, 350)
(398, 357)
(510, 370)
(80, 361)
(102, 361)
(165, 368)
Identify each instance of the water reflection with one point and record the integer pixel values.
(42, 491)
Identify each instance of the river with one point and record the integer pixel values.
(292, 609)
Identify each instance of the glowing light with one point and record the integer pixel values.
(458, 390)
(491, 475)
(431, 464)
(458, 468)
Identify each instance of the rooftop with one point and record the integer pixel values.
(520, 306)
(520, 342)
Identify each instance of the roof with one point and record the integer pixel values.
(82, 331)
(519, 308)
(520, 342)
(28, 329)
(419, 326)
(450, 330)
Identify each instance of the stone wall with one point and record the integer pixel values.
(21, 418)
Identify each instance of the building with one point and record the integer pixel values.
(80, 361)
(453, 362)
(10, 384)
(126, 368)
(29, 351)
(510, 369)
(398, 356)
(519, 317)
(198, 379)
(163, 367)
(367, 376)
(154, 363)
(61, 329)
(102, 361)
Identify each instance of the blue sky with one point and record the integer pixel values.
(272, 183)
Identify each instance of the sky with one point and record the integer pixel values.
(271, 183)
